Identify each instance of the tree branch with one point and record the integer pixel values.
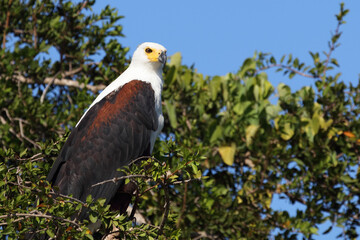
(186, 181)
(166, 206)
(60, 82)
(47, 88)
(6, 25)
(36, 214)
(82, 6)
(120, 178)
(19, 136)
(286, 67)
(332, 47)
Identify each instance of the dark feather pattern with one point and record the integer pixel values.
(113, 132)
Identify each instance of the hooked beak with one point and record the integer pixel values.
(162, 57)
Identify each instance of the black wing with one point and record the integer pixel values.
(113, 132)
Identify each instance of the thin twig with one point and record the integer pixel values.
(292, 197)
(47, 88)
(18, 136)
(72, 72)
(203, 235)
(166, 206)
(170, 175)
(69, 99)
(82, 7)
(37, 214)
(33, 158)
(6, 25)
(332, 48)
(21, 129)
(288, 68)
(183, 206)
(34, 29)
(186, 181)
(53, 193)
(115, 179)
(142, 158)
(67, 197)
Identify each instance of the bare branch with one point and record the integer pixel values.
(18, 135)
(292, 197)
(183, 206)
(186, 181)
(166, 206)
(47, 88)
(72, 72)
(114, 180)
(53, 193)
(60, 82)
(143, 158)
(332, 47)
(35, 157)
(6, 25)
(82, 7)
(286, 67)
(36, 214)
(203, 235)
(35, 30)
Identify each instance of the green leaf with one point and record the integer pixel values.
(175, 59)
(54, 21)
(217, 134)
(89, 236)
(313, 230)
(50, 233)
(102, 201)
(315, 123)
(283, 90)
(93, 218)
(171, 111)
(272, 111)
(89, 199)
(250, 133)
(287, 132)
(194, 168)
(227, 153)
(215, 87)
(23, 152)
(248, 65)
(256, 92)
(241, 107)
(272, 60)
(282, 58)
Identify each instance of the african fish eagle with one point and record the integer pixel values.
(121, 125)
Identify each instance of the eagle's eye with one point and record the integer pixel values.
(148, 50)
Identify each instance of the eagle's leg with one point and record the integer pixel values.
(122, 198)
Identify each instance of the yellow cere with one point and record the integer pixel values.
(153, 54)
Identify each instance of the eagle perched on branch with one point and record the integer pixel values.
(121, 125)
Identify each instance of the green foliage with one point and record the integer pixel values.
(229, 145)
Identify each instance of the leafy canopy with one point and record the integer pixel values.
(230, 143)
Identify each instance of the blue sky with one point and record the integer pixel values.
(217, 36)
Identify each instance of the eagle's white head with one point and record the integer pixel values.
(149, 54)
(146, 65)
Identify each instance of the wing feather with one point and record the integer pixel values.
(113, 132)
